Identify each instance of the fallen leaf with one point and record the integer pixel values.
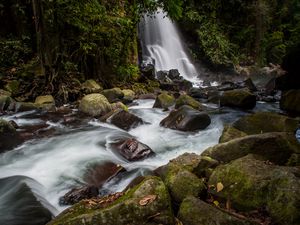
(147, 200)
(220, 187)
(216, 203)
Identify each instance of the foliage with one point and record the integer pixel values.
(128, 72)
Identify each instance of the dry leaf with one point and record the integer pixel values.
(220, 187)
(216, 203)
(147, 199)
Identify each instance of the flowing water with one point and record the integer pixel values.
(162, 46)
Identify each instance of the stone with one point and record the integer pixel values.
(188, 100)
(125, 120)
(147, 203)
(164, 101)
(26, 106)
(276, 147)
(250, 85)
(174, 74)
(148, 71)
(95, 105)
(229, 133)
(194, 211)
(113, 95)
(9, 137)
(290, 101)
(5, 93)
(77, 194)
(147, 96)
(238, 98)
(186, 119)
(131, 149)
(44, 99)
(6, 102)
(129, 95)
(91, 86)
(250, 184)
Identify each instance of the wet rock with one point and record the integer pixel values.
(174, 74)
(250, 183)
(275, 147)
(229, 133)
(147, 203)
(148, 71)
(125, 120)
(164, 100)
(193, 211)
(113, 95)
(290, 101)
(131, 149)
(9, 137)
(119, 105)
(162, 75)
(188, 161)
(91, 86)
(188, 100)
(186, 119)
(129, 96)
(78, 194)
(238, 98)
(94, 105)
(227, 86)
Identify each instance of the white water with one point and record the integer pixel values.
(163, 47)
(58, 163)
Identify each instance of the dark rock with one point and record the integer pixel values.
(161, 75)
(125, 120)
(238, 98)
(197, 93)
(169, 86)
(249, 84)
(148, 71)
(226, 86)
(174, 74)
(9, 137)
(186, 119)
(164, 101)
(131, 149)
(113, 95)
(78, 194)
(290, 101)
(183, 85)
(193, 211)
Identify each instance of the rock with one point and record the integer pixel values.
(174, 74)
(290, 101)
(129, 96)
(9, 138)
(275, 147)
(147, 203)
(125, 120)
(262, 122)
(248, 83)
(193, 211)
(162, 75)
(45, 99)
(187, 161)
(229, 133)
(12, 87)
(94, 105)
(22, 204)
(250, 183)
(148, 71)
(186, 119)
(78, 194)
(131, 149)
(238, 98)
(113, 95)
(188, 100)
(6, 93)
(205, 166)
(197, 93)
(91, 86)
(227, 86)
(147, 96)
(6, 103)
(119, 105)
(164, 101)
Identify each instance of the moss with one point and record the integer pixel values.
(45, 99)
(94, 105)
(164, 101)
(188, 100)
(229, 133)
(238, 98)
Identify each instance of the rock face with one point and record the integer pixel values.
(275, 147)
(238, 98)
(147, 203)
(131, 149)
(250, 184)
(125, 120)
(186, 119)
(164, 101)
(113, 95)
(9, 138)
(78, 194)
(91, 86)
(290, 101)
(188, 100)
(94, 105)
(193, 211)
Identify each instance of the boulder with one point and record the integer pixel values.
(6, 103)
(9, 137)
(78, 194)
(119, 105)
(94, 105)
(238, 98)
(174, 74)
(147, 203)
(148, 71)
(164, 101)
(290, 101)
(188, 100)
(129, 96)
(275, 147)
(248, 83)
(45, 99)
(186, 119)
(131, 149)
(125, 120)
(262, 122)
(229, 133)
(193, 211)
(26, 106)
(91, 86)
(250, 184)
(113, 95)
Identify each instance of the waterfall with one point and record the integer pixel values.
(163, 47)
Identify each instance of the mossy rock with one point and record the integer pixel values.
(91, 86)
(188, 100)
(132, 208)
(229, 133)
(275, 147)
(129, 95)
(9, 137)
(193, 211)
(6, 102)
(44, 99)
(26, 106)
(238, 98)
(290, 101)
(250, 184)
(119, 105)
(187, 161)
(263, 122)
(95, 105)
(12, 87)
(113, 95)
(164, 100)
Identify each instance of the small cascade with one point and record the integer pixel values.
(163, 47)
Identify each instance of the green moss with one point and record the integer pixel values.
(229, 133)
(188, 100)
(164, 100)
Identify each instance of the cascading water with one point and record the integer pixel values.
(163, 47)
